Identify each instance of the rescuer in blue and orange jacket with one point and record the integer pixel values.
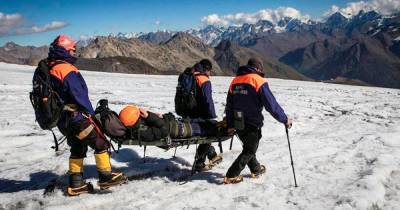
(76, 121)
(248, 94)
(204, 111)
(205, 103)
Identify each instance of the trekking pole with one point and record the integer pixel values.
(230, 146)
(220, 146)
(291, 159)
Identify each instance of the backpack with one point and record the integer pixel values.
(185, 97)
(109, 121)
(46, 103)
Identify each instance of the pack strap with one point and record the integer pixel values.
(100, 132)
(52, 63)
(55, 147)
(57, 142)
(70, 107)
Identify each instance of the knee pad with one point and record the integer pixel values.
(85, 130)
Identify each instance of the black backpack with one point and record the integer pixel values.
(185, 97)
(109, 121)
(46, 103)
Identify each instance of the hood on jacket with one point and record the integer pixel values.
(243, 70)
(59, 53)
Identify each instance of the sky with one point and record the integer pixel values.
(38, 22)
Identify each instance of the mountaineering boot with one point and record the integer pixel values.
(106, 177)
(260, 170)
(215, 160)
(233, 180)
(76, 184)
(109, 179)
(199, 167)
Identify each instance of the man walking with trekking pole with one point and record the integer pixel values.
(248, 93)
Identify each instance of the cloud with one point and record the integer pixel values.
(385, 7)
(157, 22)
(85, 37)
(35, 29)
(266, 14)
(9, 22)
(14, 24)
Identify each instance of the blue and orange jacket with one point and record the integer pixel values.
(248, 93)
(69, 84)
(205, 104)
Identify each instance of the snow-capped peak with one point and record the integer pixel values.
(127, 35)
(212, 34)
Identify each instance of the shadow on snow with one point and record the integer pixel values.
(174, 169)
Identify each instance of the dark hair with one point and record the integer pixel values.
(206, 64)
(255, 63)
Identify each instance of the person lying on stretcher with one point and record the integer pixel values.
(149, 126)
(136, 123)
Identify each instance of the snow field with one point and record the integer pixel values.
(345, 144)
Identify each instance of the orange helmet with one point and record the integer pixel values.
(65, 41)
(129, 115)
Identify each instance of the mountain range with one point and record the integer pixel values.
(182, 50)
(362, 49)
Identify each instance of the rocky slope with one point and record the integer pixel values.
(13, 53)
(179, 52)
(364, 48)
(230, 56)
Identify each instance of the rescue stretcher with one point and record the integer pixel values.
(167, 143)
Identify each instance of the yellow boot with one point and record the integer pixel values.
(76, 184)
(106, 177)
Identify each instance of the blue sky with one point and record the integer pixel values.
(77, 18)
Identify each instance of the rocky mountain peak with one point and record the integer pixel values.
(182, 38)
(157, 37)
(10, 45)
(224, 45)
(337, 20)
(212, 28)
(284, 21)
(367, 16)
